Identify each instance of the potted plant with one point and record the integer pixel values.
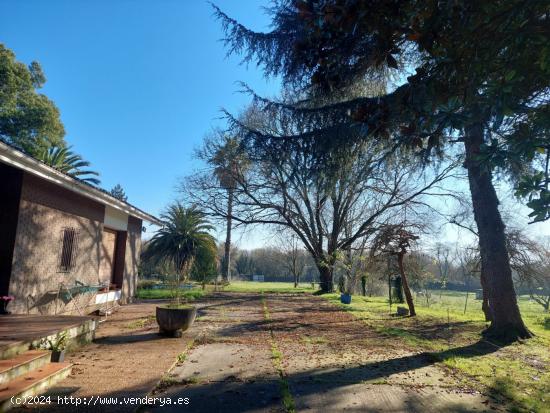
(183, 236)
(353, 263)
(6, 300)
(345, 296)
(57, 346)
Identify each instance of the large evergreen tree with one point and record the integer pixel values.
(118, 193)
(28, 119)
(474, 79)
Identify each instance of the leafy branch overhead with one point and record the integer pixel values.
(473, 62)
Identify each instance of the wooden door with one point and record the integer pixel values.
(107, 263)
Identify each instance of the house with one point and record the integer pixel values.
(66, 247)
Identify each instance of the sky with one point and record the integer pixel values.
(138, 82)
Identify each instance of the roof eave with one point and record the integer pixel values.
(20, 160)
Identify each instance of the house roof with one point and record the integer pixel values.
(20, 160)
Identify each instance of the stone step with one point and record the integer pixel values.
(22, 364)
(32, 384)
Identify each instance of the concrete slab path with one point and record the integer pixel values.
(277, 353)
(255, 353)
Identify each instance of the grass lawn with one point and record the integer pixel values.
(167, 294)
(268, 287)
(520, 372)
(235, 286)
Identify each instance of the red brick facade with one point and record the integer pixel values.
(45, 211)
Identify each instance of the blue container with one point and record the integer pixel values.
(345, 298)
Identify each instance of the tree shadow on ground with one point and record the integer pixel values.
(130, 338)
(325, 386)
(329, 386)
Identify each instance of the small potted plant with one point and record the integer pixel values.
(57, 346)
(345, 296)
(6, 300)
(184, 236)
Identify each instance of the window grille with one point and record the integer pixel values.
(69, 241)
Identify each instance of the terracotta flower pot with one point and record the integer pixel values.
(173, 321)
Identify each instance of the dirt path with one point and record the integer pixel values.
(126, 359)
(282, 352)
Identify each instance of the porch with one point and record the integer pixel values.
(25, 369)
(20, 332)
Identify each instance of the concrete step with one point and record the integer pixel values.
(22, 363)
(77, 335)
(32, 384)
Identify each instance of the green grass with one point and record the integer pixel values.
(141, 323)
(167, 294)
(519, 372)
(235, 286)
(268, 287)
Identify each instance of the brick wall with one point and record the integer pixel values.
(45, 210)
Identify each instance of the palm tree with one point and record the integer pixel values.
(229, 162)
(68, 162)
(184, 235)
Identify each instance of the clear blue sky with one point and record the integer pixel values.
(138, 82)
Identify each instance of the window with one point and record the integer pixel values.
(69, 238)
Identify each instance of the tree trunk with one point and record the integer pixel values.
(485, 295)
(226, 270)
(406, 289)
(405, 282)
(506, 323)
(325, 275)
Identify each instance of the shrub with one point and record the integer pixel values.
(146, 284)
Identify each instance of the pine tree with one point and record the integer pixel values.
(118, 193)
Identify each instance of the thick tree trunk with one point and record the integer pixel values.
(506, 323)
(325, 275)
(405, 282)
(226, 270)
(485, 293)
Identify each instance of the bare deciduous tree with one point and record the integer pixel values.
(294, 260)
(361, 189)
